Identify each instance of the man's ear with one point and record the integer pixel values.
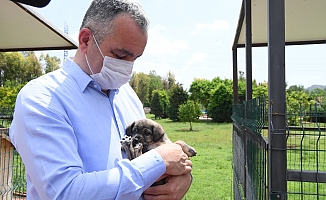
(84, 39)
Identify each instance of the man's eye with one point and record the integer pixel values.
(118, 56)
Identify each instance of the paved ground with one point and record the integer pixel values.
(205, 118)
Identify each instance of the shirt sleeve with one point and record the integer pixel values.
(49, 149)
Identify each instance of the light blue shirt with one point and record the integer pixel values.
(68, 134)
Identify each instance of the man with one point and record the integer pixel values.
(68, 124)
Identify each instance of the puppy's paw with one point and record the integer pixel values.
(138, 149)
(126, 141)
(189, 150)
(126, 145)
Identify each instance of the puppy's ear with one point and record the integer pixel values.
(158, 132)
(129, 129)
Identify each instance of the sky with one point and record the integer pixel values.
(193, 39)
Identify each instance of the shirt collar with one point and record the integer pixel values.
(81, 78)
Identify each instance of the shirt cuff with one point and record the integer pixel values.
(151, 165)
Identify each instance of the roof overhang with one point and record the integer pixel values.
(304, 23)
(23, 29)
(35, 3)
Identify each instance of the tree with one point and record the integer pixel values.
(13, 69)
(260, 90)
(296, 88)
(317, 94)
(133, 82)
(169, 81)
(242, 90)
(3, 67)
(20, 67)
(296, 101)
(156, 107)
(33, 68)
(51, 63)
(143, 87)
(9, 92)
(159, 103)
(155, 82)
(216, 81)
(220, 106)
(323, 100)
(200, 91)
(177, 96)
(189, 112)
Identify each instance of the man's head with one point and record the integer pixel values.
(101, 14)
(120, 29)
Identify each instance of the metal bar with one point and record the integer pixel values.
(238, 31)
(247, 11)
(276, 100)
(248, 42)
(317, 156)
(286, 43)
(235, 76)
(306, 176)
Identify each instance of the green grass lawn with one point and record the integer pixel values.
(212, 167)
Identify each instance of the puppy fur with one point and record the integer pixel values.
(144, 135)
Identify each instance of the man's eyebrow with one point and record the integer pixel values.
(123, 51)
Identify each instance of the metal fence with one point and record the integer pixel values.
(306, 152)
(6, 114)
(6, 162)
(12, 169)
(250, 150)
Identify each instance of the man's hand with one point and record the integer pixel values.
(177, 176)
(174, 188)
(175, 160)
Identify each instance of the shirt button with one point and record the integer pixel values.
(95, 86)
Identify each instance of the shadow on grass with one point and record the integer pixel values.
(185, 130)
(204, 121)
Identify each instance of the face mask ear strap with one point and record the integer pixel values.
(88, 64)
(98, 46)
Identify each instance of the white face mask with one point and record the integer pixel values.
(114, 72)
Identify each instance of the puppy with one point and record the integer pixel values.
(144, 135)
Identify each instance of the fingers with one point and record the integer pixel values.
(185, 165)
(188, 166)
(188, 163)
(175, 160)
(162, 177)
(158, 192)
(174, 188)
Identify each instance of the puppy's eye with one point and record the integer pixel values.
(147, 132)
